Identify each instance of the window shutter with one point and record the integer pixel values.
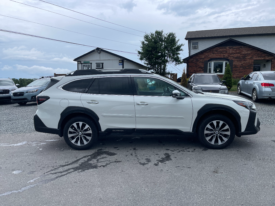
(205, 67)
(231, 65)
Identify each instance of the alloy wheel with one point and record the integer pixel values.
(239, 89)
(254, 95)
(80, 133)
(217, 132)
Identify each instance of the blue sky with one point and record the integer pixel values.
(27, 57)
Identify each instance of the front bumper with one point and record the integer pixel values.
(41, 127)
(5, 97)
(253, 124)
(24, 98)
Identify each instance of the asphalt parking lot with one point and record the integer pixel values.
(40, 169)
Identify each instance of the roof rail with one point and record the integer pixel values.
(97, 72)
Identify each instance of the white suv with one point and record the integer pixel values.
(88, 103)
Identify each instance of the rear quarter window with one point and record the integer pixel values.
(80, 86)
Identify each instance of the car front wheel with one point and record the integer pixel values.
(80, 133)
(216, 132)
(239, 89)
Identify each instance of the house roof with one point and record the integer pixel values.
(245, 31)
(227, 41)
(122, 57)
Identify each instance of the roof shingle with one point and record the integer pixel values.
(246, 31)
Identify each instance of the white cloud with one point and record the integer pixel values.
(7, 68)
(41, 70)
(64, 59)
(129, 5)
(22, 52)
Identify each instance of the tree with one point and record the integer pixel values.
(183, 79)
(228, 77)
(159, 49)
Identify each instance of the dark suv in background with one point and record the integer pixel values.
(206, 83)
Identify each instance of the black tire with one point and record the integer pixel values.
(216, 141)
(79, 141)
(254, 95)
(239, 89)
(22, 103)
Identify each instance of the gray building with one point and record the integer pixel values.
(103, 59)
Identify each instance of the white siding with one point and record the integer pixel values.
(109, 61)
(263, 42)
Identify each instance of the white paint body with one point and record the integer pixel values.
(123, 111)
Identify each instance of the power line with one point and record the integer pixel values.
(90, 16)
(14, 32)
(74, 18)
(66, 30)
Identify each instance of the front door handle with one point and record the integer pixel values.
(142, 103)
(92, 102)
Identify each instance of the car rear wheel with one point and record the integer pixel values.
(216, 132)
(254, 95)
(80, 133)
(22, 103)
(239, 89)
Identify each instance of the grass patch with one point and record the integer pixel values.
(234, 88)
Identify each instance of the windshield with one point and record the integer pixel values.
(269, 75)
(6, 83)
(206, 79)
(39, 83)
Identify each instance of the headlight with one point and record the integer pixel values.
(196, 89)
(223, 91)
(247, 105)
(32, 91)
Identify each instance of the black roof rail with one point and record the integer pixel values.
(97, 72)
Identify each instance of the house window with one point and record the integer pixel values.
(86, 66)
(217, 67)
(99, 65)
(195, 45)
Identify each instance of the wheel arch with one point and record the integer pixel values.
(211, 109)
(71, 112)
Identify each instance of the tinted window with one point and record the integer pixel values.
(269, 75)
(80, 86)
(154, 87)
(6, 83)
(52, 82)
(206, 79)
(112, 85)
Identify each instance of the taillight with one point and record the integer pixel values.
(267, 85)
(41, 99)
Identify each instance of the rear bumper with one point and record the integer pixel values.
(253, 124)
(41, 127)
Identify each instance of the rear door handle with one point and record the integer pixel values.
(92, 102)
(142, 103)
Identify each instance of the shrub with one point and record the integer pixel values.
(235, 81)
(228, 77)
(183, 79)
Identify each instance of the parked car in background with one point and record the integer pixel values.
(206, 83)
(29, 93)
(6, 87)
(258, 85)
(88, 103)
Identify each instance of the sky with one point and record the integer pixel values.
(28, 57)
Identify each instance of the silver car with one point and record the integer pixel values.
(6, 87)
(258, 85)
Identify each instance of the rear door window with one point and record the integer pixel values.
(111, 85)
(80, 86)
(268, 75)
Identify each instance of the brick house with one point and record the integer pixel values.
(244, 49)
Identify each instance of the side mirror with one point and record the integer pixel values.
(176, 94)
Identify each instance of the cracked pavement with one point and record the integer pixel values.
(40, 169)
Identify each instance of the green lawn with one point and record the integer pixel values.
(234, 88)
